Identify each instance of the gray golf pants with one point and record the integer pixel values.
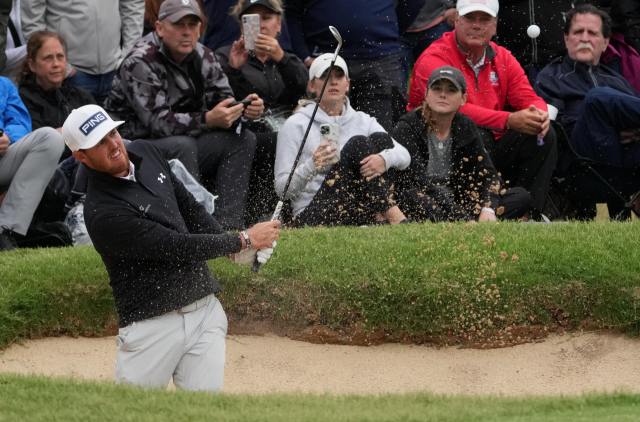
(26, 169)
(188, 344)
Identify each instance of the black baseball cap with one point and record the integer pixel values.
(248, 4)
(174, 10)
(451, 74)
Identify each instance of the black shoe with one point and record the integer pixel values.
(7, 241)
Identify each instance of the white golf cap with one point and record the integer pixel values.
(322, 63)
(86, 126)
(488, 6)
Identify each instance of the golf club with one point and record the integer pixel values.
(276, 214)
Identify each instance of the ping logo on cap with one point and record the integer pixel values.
(92, 122)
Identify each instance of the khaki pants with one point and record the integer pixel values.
(188, 344)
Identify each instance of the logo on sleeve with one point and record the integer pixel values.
(92, 122)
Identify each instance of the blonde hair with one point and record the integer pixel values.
(237, 9)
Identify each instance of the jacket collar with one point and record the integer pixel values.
(164, 51)
(579, 66)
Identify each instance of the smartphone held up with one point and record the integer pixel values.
(250, 30)
(330, 133)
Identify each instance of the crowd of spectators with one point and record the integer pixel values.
(485, 107)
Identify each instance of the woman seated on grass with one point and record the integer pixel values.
(451, 176)
(356, 188)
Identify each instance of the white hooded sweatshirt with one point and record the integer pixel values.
(307, 179)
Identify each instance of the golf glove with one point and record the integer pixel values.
(247, 256)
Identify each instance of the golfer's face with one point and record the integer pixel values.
(108, 156)
(475, 29)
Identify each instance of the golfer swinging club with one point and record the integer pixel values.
(154, 239)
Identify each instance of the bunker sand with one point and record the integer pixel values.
(569, 365)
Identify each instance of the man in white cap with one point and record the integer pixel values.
(172, 90)
(521, 143)
(154, 239)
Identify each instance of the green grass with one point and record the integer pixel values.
(36, 399)
(425, 280)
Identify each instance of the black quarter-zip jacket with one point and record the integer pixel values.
(153, 236)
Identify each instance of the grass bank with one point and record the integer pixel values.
(432, 282)
(33, 399)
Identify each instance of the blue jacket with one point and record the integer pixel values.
(16, 121)
(564, 83)
(369, 28)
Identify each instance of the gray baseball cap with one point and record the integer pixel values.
(451, 74)
(248, 4)
(174, 10)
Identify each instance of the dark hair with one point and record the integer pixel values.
(584, 9)
(33, 47)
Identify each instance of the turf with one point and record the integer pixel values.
(34, 399)
(420, 279)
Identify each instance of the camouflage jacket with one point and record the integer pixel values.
(157, 98)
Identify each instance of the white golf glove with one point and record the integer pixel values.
(247, 256)
(265, 254)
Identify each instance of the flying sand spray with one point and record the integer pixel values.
(276, 214)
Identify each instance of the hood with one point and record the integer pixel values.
(348, 113)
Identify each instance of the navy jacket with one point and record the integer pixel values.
(564, 83)
(153, 237)
(369, 28)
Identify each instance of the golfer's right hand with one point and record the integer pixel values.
(222, 115)
(323, 155)
(262, 235)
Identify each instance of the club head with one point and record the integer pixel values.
(336, 34)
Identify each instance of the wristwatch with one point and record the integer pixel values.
(246, 239)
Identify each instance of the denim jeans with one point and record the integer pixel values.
(98, 85)
(596, 135)
(412, 44)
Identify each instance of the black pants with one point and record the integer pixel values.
(346, 197)
(225, 160)
(371, 83)
(262, 197)
(522, 162)
(183, 148)
(421, 205)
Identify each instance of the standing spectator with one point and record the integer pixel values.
(370, 29)
(435, 18)
(597, 107)
(521, 143)
(278, 77)
(16, 47)
(172, 90)
(5, 10)
(99, 34)
(27, 162)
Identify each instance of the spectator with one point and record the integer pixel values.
(278, 77)
(172, 90)
(597, 107)
(354, 189)
(451, 176)
(5, 10)
(435, 18)
(370, 29)
(152, 7)
(48, 96)
(27, 162)
(521, 143)
(16, 47)
(99, 34)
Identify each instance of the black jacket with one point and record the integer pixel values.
(153, 237)
(565, 82)
(51, 107)
(475, 179)
(278, 84)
